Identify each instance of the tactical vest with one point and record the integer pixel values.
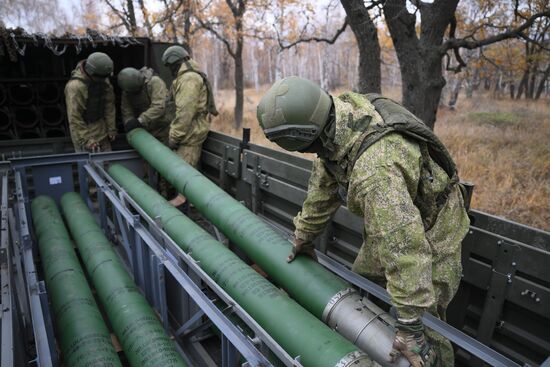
(95, 103)
(397, 119)
(210, 103)
(141, 101)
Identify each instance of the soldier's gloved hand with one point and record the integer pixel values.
(411, 343)
(302, 247)
(112, 135)
(172, 144)
(132, 124)
(92, 146)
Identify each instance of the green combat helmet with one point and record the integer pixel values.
(173, 55)
(130, 80)
(293, 112)
(99, 64)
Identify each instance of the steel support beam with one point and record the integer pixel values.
(170, 256)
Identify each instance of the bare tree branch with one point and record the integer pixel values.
(122, 15)
(211, 29)
(513, 33)
(330, 41)
(456, 50)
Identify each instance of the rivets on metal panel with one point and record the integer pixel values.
(531, 294)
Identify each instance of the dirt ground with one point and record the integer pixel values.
(501, 146)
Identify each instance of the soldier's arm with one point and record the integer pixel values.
(155, 112)
(186, 96)
(321, 203)
(76, 105)
(126, 108)
(110, 109)
(384, 182)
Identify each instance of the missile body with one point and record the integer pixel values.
(321, 292)
(81, 331)
(134, 322)
(295, 329)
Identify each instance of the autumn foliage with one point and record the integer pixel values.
(480, 67)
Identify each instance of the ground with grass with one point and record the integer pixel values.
(501, 146)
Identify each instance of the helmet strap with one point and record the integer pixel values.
(323, 146)
(83, 69)
(174, 68)
(327, 135)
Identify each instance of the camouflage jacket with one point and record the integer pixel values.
(149, 105)
(400, 243)
(76, 96)
(190, 96)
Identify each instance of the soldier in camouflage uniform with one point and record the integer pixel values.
(409, 197)
(144, 105)
(143, 102)
(194, 102)
(90, 104)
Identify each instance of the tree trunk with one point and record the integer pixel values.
(131, 17)
(455, 90)
(532, 83)
(420, 58)
(239, 75)
(170, 22)
(239, 91)
(523, 84)
(187, 25)
(146, 21)
(320, 70)
(471, 83)
(487, 83)
(255, 64)
(366, 35)
(542, 82)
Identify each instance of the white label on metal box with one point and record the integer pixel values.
(55, 180)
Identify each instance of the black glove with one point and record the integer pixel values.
(172, 144)
(132, 124)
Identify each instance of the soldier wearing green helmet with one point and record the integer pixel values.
(90, 102)
(194, 103)
(143, 102)
(390, 169)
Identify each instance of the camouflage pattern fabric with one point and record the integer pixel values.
(418, 261)
(149, 106)
(189, 95)
(190, 153)
(76, 94)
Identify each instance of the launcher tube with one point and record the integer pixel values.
(295, 329)
(82, 334)
(134, 322)
(321, 292)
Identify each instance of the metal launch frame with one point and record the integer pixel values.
(500, 317)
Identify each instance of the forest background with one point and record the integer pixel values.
(475, 70)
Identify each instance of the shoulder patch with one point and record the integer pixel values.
(359, 124)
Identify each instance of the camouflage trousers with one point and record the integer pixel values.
(441, 345)
(370, 267)
(190, 153)
(444, 239)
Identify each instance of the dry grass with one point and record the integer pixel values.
(502, 146)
